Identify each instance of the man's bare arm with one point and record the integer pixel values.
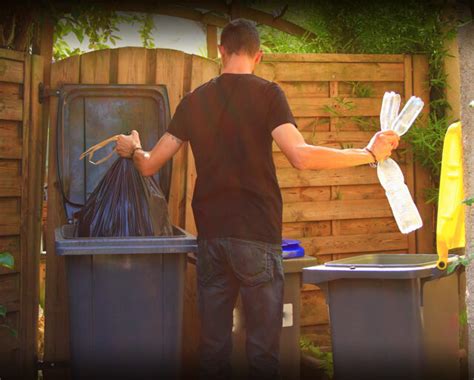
(148, 163)
(305, 156)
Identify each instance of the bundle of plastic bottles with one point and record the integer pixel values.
(390, 175)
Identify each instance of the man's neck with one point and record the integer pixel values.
(237, 66)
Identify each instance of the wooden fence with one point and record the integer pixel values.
(21, 184)
(336, 100)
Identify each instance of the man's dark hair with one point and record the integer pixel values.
(240, 36)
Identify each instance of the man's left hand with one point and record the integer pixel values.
(126, 144)
(383, 143)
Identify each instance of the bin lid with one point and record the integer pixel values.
(450, 228)
(376, 266)
(88, 114)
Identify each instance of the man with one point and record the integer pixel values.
(231, 122)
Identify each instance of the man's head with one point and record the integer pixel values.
(240, 38)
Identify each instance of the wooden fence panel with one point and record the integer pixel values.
(338, 213)
(21, 192)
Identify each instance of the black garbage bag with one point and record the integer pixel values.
(124, 203)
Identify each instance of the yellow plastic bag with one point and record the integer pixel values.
(450, 230)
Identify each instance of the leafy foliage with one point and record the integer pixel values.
(427, 143)
(3, 311)
(466, 259)
(381, 27)
(145, 31)
(100, 27)
(6, 261)
(325, 358)
(461, 260)
(362, 90)
(469, 201)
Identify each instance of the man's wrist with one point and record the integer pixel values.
(372, 155)
(138, 147)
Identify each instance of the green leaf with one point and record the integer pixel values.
(13, 332)
(469, 201)
(452, 267)
(464, 261)
(3, 311)
(7, 260)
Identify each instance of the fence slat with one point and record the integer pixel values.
(9, 216)
(12, 54)
(353, 176)
(11, 109)
(10, 139)
(374, 89)
(425, 235)
(336, 107)
(336, 210)
(170, 71)
(95, 67)
(346, 58)
(354, 243)
(10, 178)
(11, 71)
(132, 65)
(305, 194)
(300, 71)
(306, 229)
(367, 226)
(56, 346)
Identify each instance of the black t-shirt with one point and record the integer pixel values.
(228, 122)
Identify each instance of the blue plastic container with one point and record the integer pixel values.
(292, 249)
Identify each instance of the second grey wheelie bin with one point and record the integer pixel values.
(125, 293)
(393, 316)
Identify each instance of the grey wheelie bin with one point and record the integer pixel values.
(393, 316)
(125, 293)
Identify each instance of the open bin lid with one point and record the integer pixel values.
(450, 228)
(88, 114)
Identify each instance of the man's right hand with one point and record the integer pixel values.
(383, 143)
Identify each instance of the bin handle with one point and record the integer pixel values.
(90, 152)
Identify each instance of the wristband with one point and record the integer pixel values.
(372, 164)
(134, 150)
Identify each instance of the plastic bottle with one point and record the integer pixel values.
(388, 113)
(390, 175)
(404, 209)
(407, 116)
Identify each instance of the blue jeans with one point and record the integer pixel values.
(225, 267)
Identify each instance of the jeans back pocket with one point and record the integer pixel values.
(251, 261)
